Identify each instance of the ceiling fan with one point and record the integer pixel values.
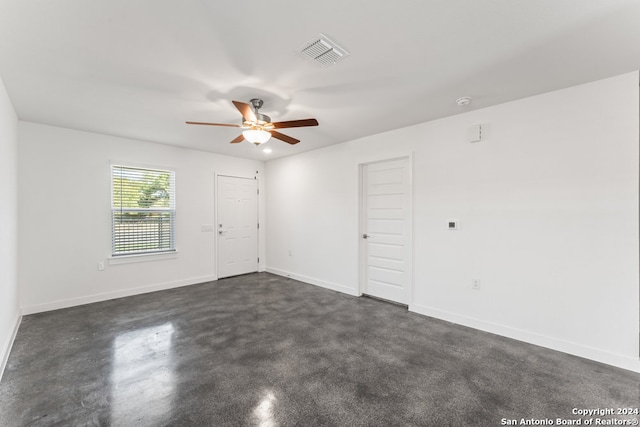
(259, 127)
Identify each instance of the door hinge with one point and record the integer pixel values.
(258, 226)
(258, 260)
(258, 191)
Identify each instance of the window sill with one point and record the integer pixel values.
(129, 259)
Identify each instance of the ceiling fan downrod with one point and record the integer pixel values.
(262, 119)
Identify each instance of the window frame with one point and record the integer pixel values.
(117, 207)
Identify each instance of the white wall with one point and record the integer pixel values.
(9, 312)
(65, 223)
(548, 204)
(312, 207)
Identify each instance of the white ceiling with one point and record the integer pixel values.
(140, 68)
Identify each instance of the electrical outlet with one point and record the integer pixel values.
(290, 252)
(475, 284)
(100, 265)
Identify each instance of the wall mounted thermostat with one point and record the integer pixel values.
(452, 224)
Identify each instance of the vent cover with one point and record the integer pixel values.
(324, 51)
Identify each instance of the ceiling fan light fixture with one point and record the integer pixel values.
(258, 127)
(256, 136)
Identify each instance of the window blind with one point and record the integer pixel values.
(143, 210)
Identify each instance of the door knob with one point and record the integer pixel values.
(221, 232)
(365, 236)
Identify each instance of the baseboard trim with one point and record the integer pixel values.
(620, 361)
(72, 302)
(6, 348)
(312, 281)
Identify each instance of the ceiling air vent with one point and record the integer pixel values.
(324, 51)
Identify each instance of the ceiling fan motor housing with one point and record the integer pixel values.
(262, 119)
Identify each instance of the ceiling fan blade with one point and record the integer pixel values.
(283, 137)
(239, 138)
(295, 123)
(213, 124)
(246, 111)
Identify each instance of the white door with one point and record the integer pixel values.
(237, 226)
(386, 230)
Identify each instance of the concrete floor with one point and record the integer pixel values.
(263, 350)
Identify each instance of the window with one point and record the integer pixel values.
(143, 210)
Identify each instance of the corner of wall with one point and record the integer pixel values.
(5, 350)
(9, 304)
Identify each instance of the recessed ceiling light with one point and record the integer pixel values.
(465, 100)
(267, 150)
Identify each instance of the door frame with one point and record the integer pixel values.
(362, 258)
(216, 193)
